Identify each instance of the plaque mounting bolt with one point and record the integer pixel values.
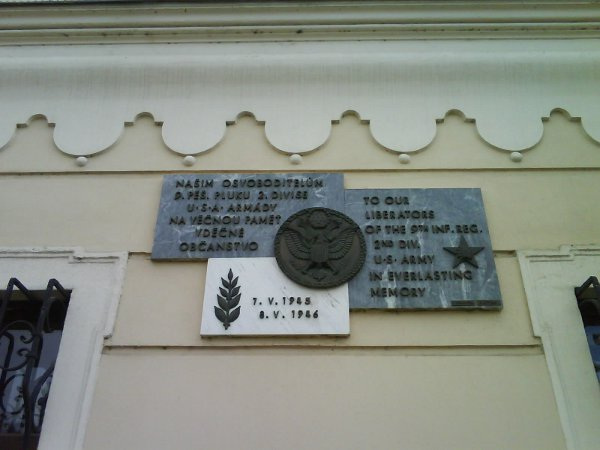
(516, 157)
(81, 161)
(404, 158)
(296, 158)
(189, 160)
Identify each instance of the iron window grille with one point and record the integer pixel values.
(588, 301)
(31, 324)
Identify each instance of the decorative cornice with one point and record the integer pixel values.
(293, 21)
(297, 89)
(298, 66)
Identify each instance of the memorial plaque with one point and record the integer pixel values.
(252, 297)
(234, 215)
(426, 249)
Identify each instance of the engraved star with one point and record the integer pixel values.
(464, 253)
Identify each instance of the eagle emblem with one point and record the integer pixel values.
(320, 247)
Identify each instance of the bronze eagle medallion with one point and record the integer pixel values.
(320, 248)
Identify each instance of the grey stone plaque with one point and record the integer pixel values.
(235, 215)
(426, 249)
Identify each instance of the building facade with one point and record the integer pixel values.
(99, 102)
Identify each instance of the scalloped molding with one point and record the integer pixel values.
(298, 89)
(294, 84)
(549, 277)
(96, 280)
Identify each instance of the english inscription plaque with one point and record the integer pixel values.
(252, 297)
(234, 215)
(426, 249)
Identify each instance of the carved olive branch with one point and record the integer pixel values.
(230, 296)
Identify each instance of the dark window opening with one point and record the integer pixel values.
(588, 301)
(31, 324)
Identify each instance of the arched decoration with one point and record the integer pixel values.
(297, 89)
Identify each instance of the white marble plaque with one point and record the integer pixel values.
(252, 297)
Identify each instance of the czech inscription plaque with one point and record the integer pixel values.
(234, 215)
(320, 248)
(426, 249)
(252, 297)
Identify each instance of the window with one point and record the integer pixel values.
(95, 280)
(549, 277)
(31, 324)
(588, 301)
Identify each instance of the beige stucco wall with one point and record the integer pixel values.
(415, 380)
(307, 398)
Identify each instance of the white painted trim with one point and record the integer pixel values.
(252, 21)
(297, 89)
(96, 280)
(549, 277)
(297, 67)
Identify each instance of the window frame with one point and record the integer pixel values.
(549, 278)
(96, 281)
